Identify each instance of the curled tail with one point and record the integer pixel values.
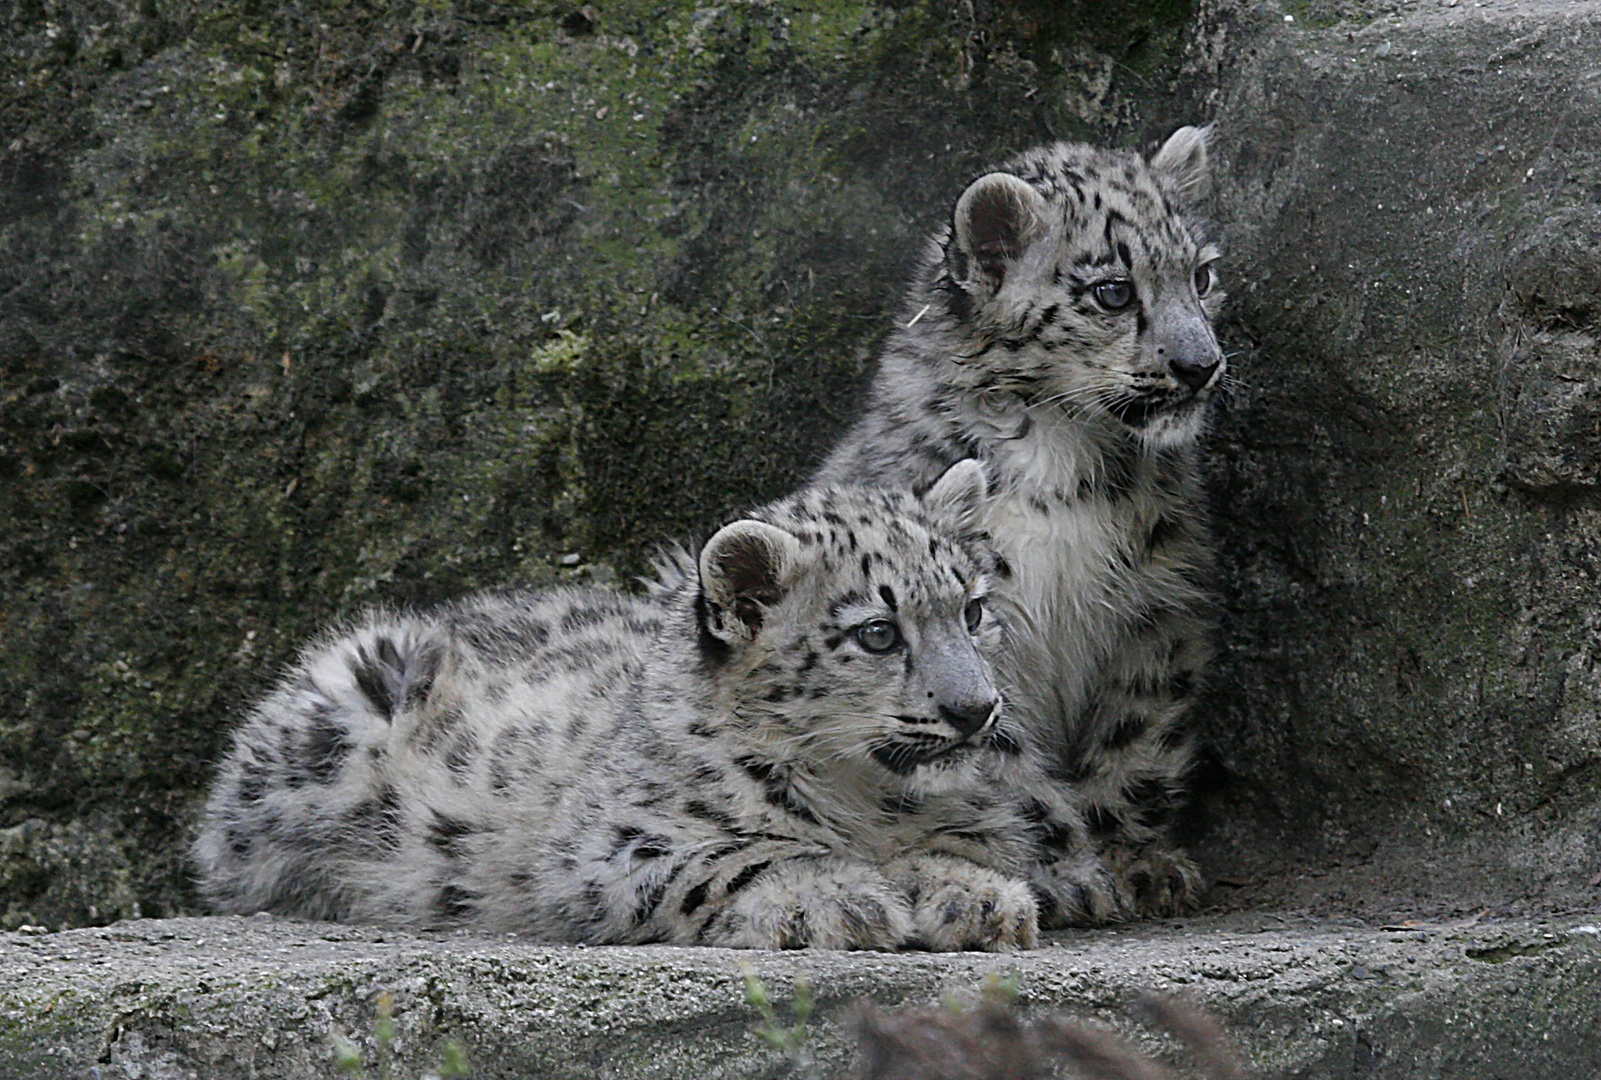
(304, 797)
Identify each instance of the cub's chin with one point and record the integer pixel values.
(1173, 426)
(955, 770)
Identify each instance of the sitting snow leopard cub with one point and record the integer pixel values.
(1059, 330)
(790, 742)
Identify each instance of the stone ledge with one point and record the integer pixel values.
(229, 997)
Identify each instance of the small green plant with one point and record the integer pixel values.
(788, 1039)
(348, 1058)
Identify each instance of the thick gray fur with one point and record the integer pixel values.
(722, 761)
(1086, 416)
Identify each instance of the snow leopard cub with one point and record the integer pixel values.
(789, 742)
(1060, 330)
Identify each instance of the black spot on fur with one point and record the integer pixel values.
(887, 594)
(705, 776)
(1052, 835)
(454, 903)
(376, 821)
(380, 675)
(252, 783)
(1125, 731)
(781, 795)
(448, 835)
(697, 808)
(694, 898)
(418, 679)
(756, 769)
(325, 748)
(1002, 567)
(1102, 822)
(650, 901)
(745, 877)
(459, 759)
(652, 846)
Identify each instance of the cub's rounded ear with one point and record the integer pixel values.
(959, 494)
(744, 569)
(1182, 160)
(996, 219)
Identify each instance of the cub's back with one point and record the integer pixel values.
(346, 785)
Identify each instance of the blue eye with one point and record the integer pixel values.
(1114, 295)
(974, 614)
(878, 636)
(1205, 278)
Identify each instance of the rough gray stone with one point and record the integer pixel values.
(220, 998)
(1407, 485)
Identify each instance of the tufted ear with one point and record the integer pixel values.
(1182, 160)
(744, 569)
(959, 495)
(996, 219)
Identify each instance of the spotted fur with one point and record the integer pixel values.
(724, 760)
(1060, 332)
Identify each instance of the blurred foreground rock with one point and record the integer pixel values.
(221, 998)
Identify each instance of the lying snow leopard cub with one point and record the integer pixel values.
(1060, 330)
(789, 742)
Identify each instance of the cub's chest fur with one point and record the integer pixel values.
(1093, 538)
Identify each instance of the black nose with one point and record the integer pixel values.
(1192, 373)
(968, 716)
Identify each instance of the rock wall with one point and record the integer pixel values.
(1407, 488)
(310, 306)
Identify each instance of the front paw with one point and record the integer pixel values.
(959, 906)
(818, 904)
(1162, 880)
(1079, 890)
